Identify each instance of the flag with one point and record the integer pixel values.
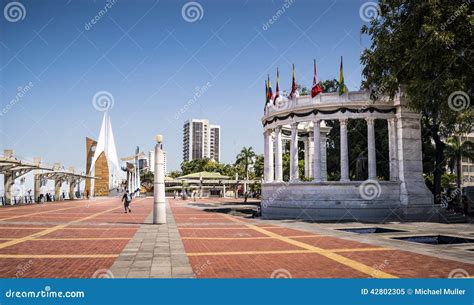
(316, 86)
(277, 94)
(266, 93)
(269, 93)
(342, 86)
(293, 84)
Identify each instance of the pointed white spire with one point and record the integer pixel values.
(106, 144)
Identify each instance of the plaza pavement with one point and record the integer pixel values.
(96, 239)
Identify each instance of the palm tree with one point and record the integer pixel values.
(245, 158)
(455, 151)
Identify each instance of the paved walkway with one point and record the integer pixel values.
(96, 239)
(156, 251)
(222, 246)
(66, 239)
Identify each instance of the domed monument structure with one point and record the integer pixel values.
(404, 196)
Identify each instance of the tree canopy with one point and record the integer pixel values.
(426, 48)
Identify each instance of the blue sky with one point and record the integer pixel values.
(151, 60)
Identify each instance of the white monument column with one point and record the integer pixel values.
(306, 157)
(37, 187)
(138, 180)
(72, 186)
(57, 189)
(392, 149)
(324, 165)
(268, 158)
(137, 175)
(134, 180)
(279, 155)
(310, 154)
(294, 173)
(317, 151)
(371, 149)
(344, 151)
(159, 206)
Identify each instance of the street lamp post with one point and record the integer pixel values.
(159, 208)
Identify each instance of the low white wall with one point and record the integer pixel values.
(334, 201)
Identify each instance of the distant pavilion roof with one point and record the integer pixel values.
(204, 175)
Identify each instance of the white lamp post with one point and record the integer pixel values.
(159, 208)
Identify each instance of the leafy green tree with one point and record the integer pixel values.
(357, 149)
(303, 90)
(286, 161)
(245, 158)
(329, 86)
(198, 165)
(175, 174)
(455, 151)
(228, 170)
(258, 166)
(425, 46)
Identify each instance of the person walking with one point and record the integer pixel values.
(127, 198)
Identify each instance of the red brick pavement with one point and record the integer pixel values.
(223, 246)
(74, 239)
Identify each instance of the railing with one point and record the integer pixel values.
(355, 98)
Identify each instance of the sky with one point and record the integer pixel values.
(153, 57)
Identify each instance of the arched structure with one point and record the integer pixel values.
(404, 197)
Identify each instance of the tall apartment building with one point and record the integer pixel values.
(215, 142)
(201, 140)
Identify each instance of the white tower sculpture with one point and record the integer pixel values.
(106, 145)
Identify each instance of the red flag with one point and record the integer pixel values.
(277, 94)
(316, 86)
(293, 84)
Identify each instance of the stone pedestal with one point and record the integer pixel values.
(415, 198)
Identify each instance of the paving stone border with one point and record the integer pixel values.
(156, 251)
